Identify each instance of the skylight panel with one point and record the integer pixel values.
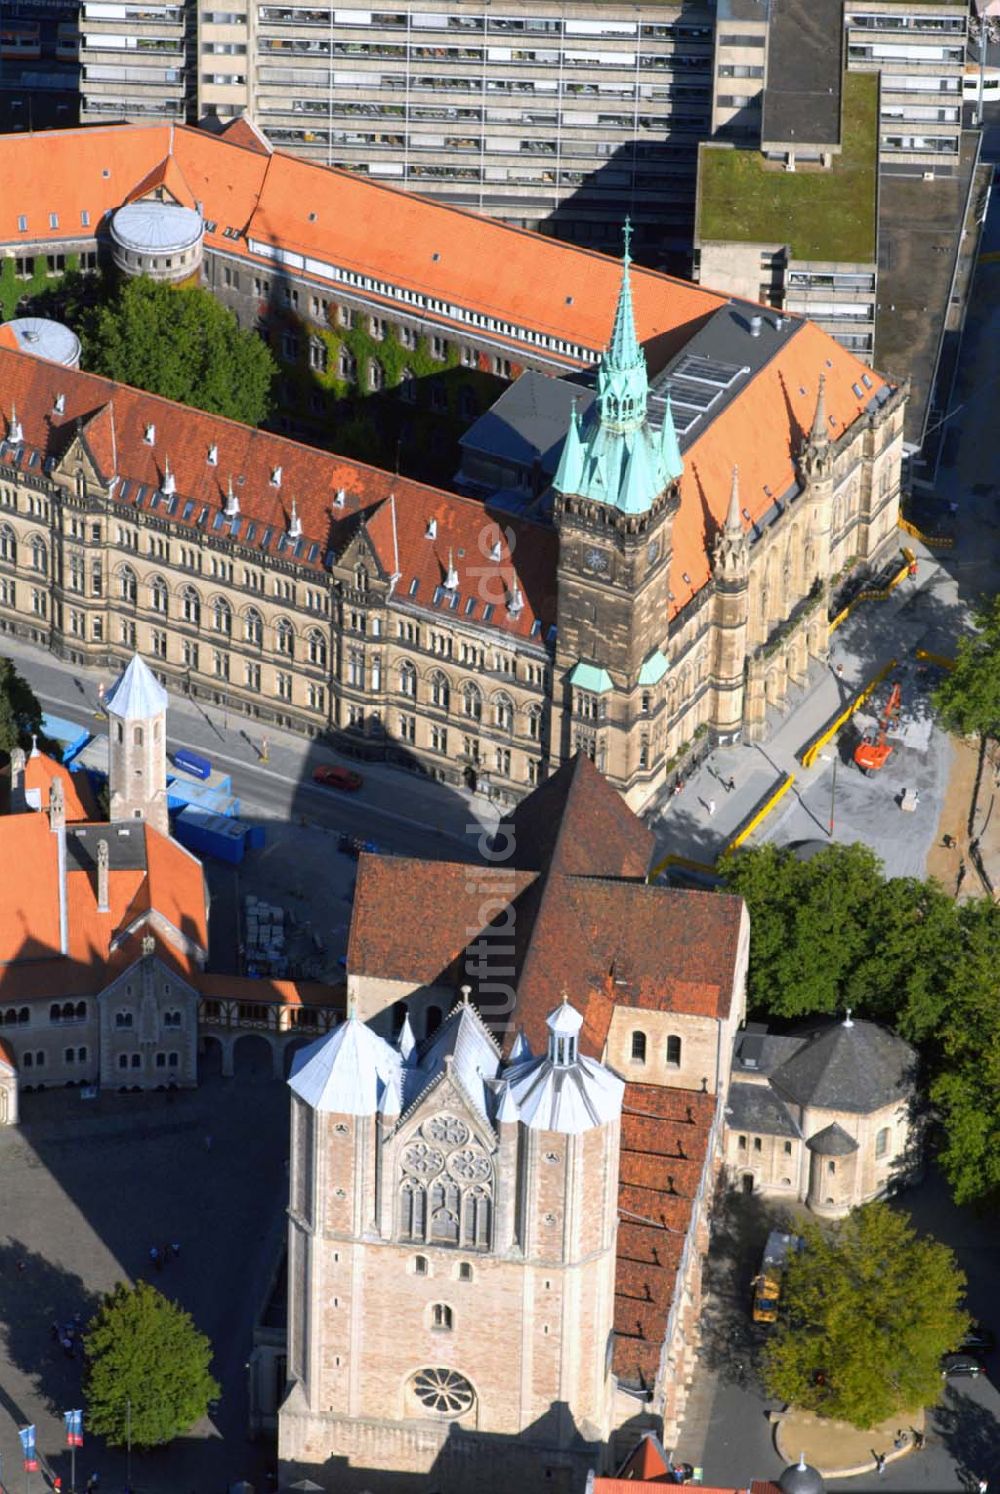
(218, 521)
(414, 585)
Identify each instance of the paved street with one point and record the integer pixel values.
(88, 1187)
(401, 811)
(726, 1430)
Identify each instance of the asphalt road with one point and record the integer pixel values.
(402, 812)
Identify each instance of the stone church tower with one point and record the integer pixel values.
(452, 1230)
(616, 495)
(137, 722)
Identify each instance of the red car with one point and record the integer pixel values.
(334, 776)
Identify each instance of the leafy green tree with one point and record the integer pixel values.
(20, 713)
(965, 1084)
(968, 699)
(183, 345)
(147, 1368)
(867, 1309)
(831, 932)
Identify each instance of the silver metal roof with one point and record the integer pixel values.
(156, 227)
(45, 338)
(137, 694)
(348, 1072)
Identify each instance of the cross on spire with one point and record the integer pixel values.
(627, 236)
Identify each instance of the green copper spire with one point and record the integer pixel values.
(569, 473)
(622, 384)
(670, 452)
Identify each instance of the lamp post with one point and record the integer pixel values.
(833, 790)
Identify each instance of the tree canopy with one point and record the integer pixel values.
(181, 344)
(831, 932)
(147, 1368)
(968, 698)
(867, 1309)
(20, 713)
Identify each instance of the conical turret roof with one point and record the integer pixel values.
(137, 694)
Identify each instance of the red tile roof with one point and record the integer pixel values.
(333, 495)
(664, 1141)
(78, 796)
(647, 1462)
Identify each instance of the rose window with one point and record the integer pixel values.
(422, 1159)
(469, 1165)
(443, 1391)
(447, 1129)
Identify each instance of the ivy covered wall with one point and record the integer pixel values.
(13, 290)
(341, 409)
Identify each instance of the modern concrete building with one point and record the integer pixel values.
(134, 61)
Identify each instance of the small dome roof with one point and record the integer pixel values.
(801, 1478)
(565, 1021)
(832, 1141)
(156, 227)
(44, 338)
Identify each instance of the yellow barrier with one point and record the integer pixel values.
(748, 829)
(875, 593)
(762, 813)
(810, 753)
(939, 659)
(936, 541)
(685, 861)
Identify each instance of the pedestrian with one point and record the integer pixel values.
(730, 784)
(92, 1483)
(67, 1347)
(918, 1440)
(982, 1485)
(899, 1441)
(840, 671)
(711, 808)
(879, 1462)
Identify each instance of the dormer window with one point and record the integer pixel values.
(60, 405)
(213, 456)
(150, 436)
(276, 478)
(340, 498)
(496, 553)
(431, 532)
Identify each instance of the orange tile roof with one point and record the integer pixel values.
(29, 926)
(761, 431)
(647, 1462)
(268, 992)
(31, 962)
(332, 494)
(78, 797)
(243, 131)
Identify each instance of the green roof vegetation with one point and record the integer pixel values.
(826, 215)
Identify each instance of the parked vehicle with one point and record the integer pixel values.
(978, 1339)
(332, 775)
(767, 1282)
(961, 1364)
(193, 763)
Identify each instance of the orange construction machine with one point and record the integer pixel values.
(873, 751)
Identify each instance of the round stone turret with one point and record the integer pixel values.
(158, 239)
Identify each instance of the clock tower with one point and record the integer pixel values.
(616, 492)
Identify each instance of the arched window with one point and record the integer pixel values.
(127, 587)
(55, 1012)
(407, 679)
(445, 1221)
(284, 637)
(158, 595)
(420, 1265)
(222, 616)
(123, 1019)
(441, 1318)
(253, 627)
(137, 736)
(472, 701)
(413, 1212)
(80, 1011)
(673, 1051)
(361, 578)
(440, 692)
(40, 560)
(119, 731)
(882, 1142)
(347, 363)
(316, 645)
(535, 723)
(503, 713)
(638, 1047)
(464, 1271)
(68, 1011)
(23, 1015)
(8, 544)
(408, 386)
(191, 606)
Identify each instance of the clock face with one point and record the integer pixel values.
(597, 560)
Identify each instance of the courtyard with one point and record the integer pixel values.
(89, 1187)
